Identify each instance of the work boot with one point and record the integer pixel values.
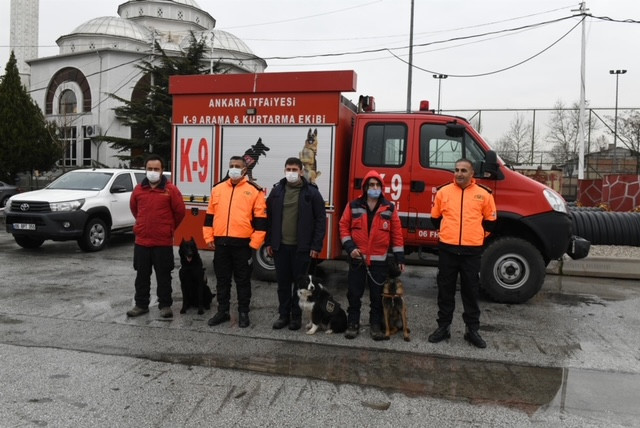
(243, 319)
(166, 312)
(280, 323)
(474, 338)
(352, 331)
(296, 323)
(440, 334)
(136, 311)
(219, 318)
(376, 333)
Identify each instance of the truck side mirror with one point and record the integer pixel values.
(490, 166)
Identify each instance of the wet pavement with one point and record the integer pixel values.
(570, 356)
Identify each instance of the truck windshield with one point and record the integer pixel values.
(89, 180)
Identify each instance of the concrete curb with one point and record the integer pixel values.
(601, 267)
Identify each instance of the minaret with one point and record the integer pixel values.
(24, 35)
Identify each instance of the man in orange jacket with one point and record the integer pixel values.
(464, 212)
(235, 223)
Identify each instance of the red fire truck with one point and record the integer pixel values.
(269, 117)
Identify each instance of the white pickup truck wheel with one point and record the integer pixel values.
(95, 236)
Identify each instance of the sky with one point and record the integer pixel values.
(498, 54)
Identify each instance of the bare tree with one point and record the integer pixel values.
(515, 145)
(563, 131)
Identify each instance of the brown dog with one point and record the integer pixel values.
(394, 305)
(308, 156)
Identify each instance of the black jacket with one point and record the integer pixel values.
(312, 220)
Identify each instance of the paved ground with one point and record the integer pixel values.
(70, 356)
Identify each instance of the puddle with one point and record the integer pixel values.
(526, 388)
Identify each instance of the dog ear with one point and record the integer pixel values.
(315, 132)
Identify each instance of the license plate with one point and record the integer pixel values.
(24, 226)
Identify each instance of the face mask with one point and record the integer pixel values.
(374, 193)
(291, 176)
(153, 176)
(235, 173)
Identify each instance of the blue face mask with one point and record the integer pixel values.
(374, 193)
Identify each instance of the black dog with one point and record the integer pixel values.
(326, 313)
(193, 280)
(252, 154)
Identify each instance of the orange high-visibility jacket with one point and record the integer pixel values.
(462, 212)
(236, 212)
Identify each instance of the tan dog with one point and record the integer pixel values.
(394, 305)
(308, 156)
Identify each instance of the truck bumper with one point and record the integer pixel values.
(63, 226)
(578, 248)
(554, 231)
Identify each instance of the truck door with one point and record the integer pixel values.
(432, 164)
(384, 149)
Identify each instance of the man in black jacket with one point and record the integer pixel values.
(296, 227)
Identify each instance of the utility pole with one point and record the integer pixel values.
(409, 78)
(583, 11)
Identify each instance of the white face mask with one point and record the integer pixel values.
(235, 173)
(292, 176)
(153, 176)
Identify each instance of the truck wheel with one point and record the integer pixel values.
(512, 270)
(4, 201)
(263, 266)
(95, 235)
(28, 242)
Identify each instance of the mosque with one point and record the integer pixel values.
(99, 58)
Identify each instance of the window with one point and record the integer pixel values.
(123, 180)
(69, 137)
(68, 103)
(438, 150)
(86, 149)
(385, 144)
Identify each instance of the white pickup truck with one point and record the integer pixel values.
(86, 205)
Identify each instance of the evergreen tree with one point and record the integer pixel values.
(27, 141)
(149, 114)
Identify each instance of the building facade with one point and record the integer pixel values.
(99, 58)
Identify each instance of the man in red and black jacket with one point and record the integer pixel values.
(158, 208)
(369, 228)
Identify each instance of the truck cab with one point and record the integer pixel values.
(416, 153)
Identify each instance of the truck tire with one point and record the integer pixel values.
(512, 270)
(263, 266)
(27, 241)
(95, 236)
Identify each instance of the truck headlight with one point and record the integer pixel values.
(555, 200)
(66, 206)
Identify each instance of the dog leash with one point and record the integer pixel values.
(369, 272)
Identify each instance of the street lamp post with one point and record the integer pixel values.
(439, 77)
(615, 120)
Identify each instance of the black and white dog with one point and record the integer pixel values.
(325, 312)
(193, 280)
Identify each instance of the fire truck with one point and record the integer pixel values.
(268, 117)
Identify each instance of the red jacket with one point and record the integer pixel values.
(158, 212)
(386, 231)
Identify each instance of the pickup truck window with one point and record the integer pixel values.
(123, 180)
(438, 150)
(89, 180)
(385, 144)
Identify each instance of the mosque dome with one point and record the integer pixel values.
(113, 26)
(222, 40)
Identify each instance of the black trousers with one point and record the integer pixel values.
(233, 261)
(290, 264)
(449, 266)
(160, 259)
(359, 279)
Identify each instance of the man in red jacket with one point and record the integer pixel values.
(369, 228)
(158, 208)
